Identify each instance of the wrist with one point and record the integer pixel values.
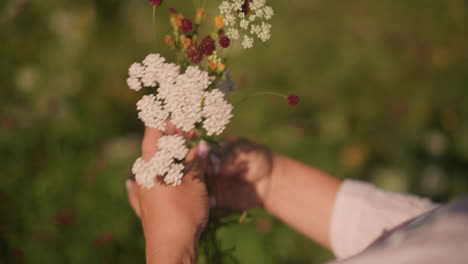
(172, 245)
(265, 185)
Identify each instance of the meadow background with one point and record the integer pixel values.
(384, 98)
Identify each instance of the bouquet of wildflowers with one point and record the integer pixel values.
(192, 92)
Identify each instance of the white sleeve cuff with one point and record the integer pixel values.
(362, 212)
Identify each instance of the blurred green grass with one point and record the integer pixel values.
(383, 88)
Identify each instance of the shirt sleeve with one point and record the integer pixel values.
(362, 212)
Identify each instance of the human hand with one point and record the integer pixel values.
(243, 172)
(172, 217)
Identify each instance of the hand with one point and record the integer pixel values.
(172, 217)
(243, 172)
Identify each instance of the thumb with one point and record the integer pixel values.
(133, 198)
(197, 158)
(199, 153)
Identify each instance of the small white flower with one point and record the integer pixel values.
(184, 98)
(174, 146)
(167, 73)
(248, 42)
(175, 174)
(263, 32)
(134, 84)
(244, 23)
(229, 20)
(136, 70)
(268, 12)
(143, 176)
(153, 60)
(217, 112)
(257, 4)
(233, 33)
(152, 112)
(237, 5)
(259, 13)
(240, 24)
(163, 164)
(154, 63)
(224, 7)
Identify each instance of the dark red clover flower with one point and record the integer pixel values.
(195, 52)
(187, 25)
(246, 7)
(221, 33)
(156, 2)
(173, 11)
(224, 41)
(293, 99)
(208, 45)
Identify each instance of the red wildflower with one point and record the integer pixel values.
(224, 41)
(208, 45)
(173, 11)
(103, 240)
(221, 33)
(246, 7)
(195, 52)
(293, 99)
(187, 25)
(156, 2)
(64, 218)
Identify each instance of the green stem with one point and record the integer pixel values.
(260, 93)
(154, 24)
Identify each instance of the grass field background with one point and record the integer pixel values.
(383, 88)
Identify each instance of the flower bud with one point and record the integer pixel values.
(219, 21)
(200, 15)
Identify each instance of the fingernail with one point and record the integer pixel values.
(212, 201)
(128, 184)
(203, 149)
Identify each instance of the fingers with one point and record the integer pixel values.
(149, 144)
(152, 135)
(171, 129)
(133, 197)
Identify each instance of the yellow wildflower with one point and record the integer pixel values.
(219, 21)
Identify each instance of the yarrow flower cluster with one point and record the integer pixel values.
(187, 100)
(166, 163)
(245, 19)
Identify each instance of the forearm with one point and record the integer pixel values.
(170, 245)
(303, 197)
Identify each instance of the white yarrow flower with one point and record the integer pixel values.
(257, 4)
(233, 33)
(265, 32)
(174, 146)
(217, 112)
(182, 98)
(242, 24)
(268, 12)
(154, 63)
(175, 174)
(143, 176)
(248, 42)
(134, 84)
(136, 70)
(164, 163)
(167, 74)
(152, 113)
